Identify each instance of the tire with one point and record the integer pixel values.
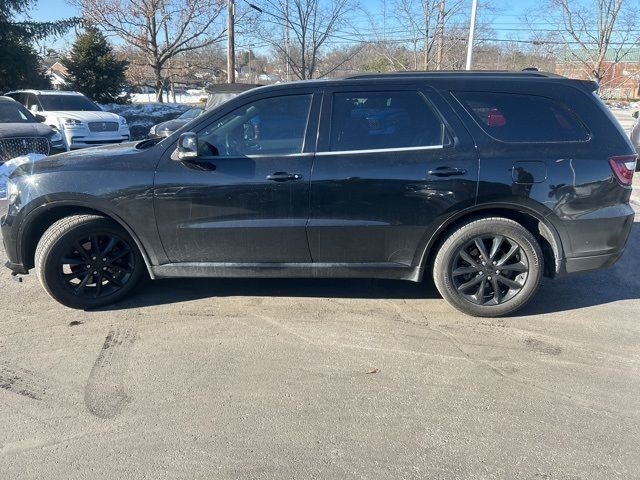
(88, 261)
(488, 290)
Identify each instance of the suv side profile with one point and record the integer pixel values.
(485, 180)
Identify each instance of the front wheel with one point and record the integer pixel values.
(489, 267)
(88, 261)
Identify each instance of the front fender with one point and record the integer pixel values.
(50, 210)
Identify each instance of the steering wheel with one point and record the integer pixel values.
(232, 144)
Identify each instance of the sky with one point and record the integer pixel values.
(506, 18)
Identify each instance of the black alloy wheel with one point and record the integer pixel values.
(88, 261)
(490, 270)
(97, 266)
(488, 267)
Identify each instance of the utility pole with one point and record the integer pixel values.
(440, 35)
(472, 27)
(231, 49)
(286, 38)
(171, 86)
(384, 20)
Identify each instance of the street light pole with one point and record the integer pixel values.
(439, 36)
(171, 86)
(472, 28)
(231, 49)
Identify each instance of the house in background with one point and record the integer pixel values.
(621, 79)
(59, 76)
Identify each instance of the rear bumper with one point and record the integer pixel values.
(596, 241)
(590, 263)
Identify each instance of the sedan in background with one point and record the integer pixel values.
(164, 129)
(22, 133)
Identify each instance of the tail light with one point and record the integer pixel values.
(623, 166)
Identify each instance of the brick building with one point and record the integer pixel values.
(621, 79)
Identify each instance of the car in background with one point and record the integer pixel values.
(635, 135)
(22, 133)
(222, 92)
(164, 129)
(217, 95)
(81, 122)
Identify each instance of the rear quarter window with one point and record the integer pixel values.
(511, 117)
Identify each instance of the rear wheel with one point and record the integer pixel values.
(87, 261)
(489, 267)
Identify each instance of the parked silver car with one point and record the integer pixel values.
(164, 129)
(635, 135)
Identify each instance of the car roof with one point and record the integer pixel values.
(7, 99)
(47, 92)
(464, 77)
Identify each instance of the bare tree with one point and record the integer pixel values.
(139, 73)
(417, 33)
(598, 33)
(159, 29)
(513, 55)
(307, 26)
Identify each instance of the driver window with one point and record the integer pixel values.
(269, 126)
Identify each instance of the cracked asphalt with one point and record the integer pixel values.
(270, 379)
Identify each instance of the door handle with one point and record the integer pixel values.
(283, 176)
(447, 172)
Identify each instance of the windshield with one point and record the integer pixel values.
(13, 112)
(67, 103)
(192, 113)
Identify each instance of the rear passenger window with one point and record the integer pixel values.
(382, 120)
(523, 118)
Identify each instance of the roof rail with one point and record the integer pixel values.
(456, 73)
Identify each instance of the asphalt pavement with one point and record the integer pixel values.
(336, 379)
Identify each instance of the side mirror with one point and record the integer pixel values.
(41, 118)
(636, 114)
(187, 147)
(34, 108)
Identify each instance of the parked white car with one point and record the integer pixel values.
(82, 122)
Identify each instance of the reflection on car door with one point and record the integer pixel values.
(246, 198)
(389, 167)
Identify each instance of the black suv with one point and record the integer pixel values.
(485, 180)
(22, 133)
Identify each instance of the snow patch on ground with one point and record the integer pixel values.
(192, 97)
(142, 116)
(621, 105)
